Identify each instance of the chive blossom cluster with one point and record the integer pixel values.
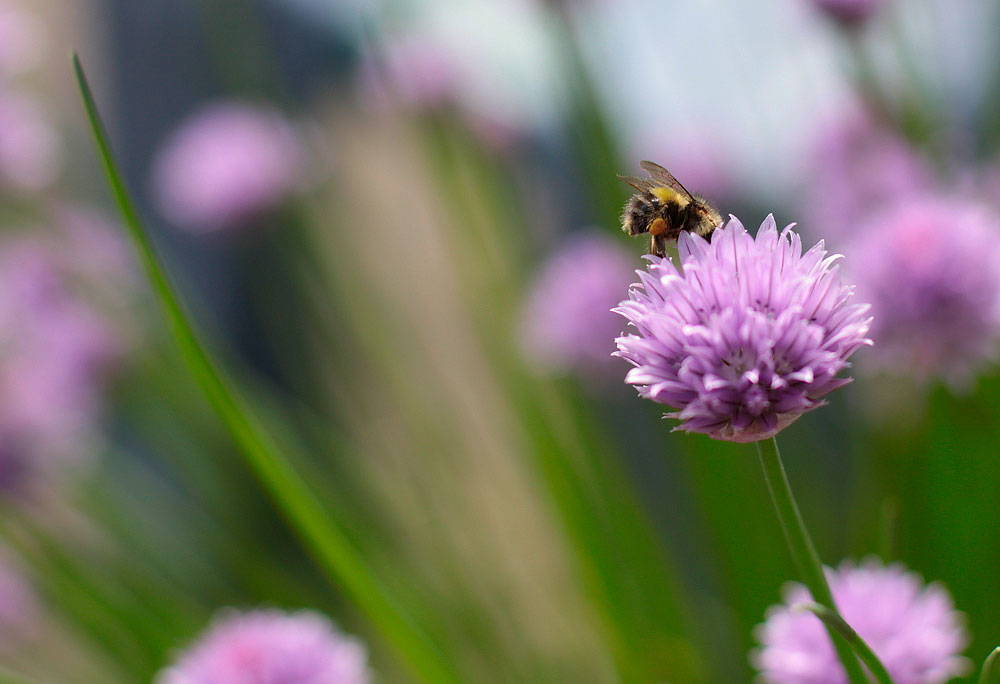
(746, 335)
(270, 647)
(931, 269)
(913, 628)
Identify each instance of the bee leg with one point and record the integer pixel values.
(658, 227)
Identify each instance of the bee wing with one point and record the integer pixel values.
(640, 184)
(664, 178)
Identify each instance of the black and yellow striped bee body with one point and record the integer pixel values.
(663, 208)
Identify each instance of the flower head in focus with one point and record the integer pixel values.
(745, 336)
(270, 647)
(913, 628)
(931, 269)
(567, 320)
(227, 165)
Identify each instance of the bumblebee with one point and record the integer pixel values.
(663, 208)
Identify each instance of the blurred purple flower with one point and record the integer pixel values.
(432, 75)
(29, 146)
(744, 337)
(226, 165)
(504, 84)
(22, 40)
(850, 12)
(857, 168)
(931, 269)
(55, 352)
(91, 246)
(20, 614)
(913, 628)
(270, 647)
(567, 320)
(418, 72)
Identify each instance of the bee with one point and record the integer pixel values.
(663, 208)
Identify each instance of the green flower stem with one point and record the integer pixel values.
(329, 545)
(803, 552)
(859, 645)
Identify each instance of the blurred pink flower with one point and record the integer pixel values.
(567, 323)
(270, 647)
(425, 75)
(913, 628)
(931, 269)
(501, 135)
(504, 84)
(55, 352)
(850, 12)
(29, 146)
(417, 72)
(22, 41)
(20, 614)
(227, 165)
(857, 168)
(91, 246)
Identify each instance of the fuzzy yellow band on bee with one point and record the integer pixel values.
(667, 195)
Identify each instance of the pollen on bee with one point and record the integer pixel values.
(658, 227)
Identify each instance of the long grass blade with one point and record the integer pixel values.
(991, 668)
(290, 493)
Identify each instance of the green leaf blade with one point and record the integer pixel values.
(328, 544)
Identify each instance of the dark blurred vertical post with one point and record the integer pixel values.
(167, 57)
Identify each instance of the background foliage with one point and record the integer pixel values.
(535, 527)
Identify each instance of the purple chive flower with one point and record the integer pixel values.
(55, 353)
(856, 168)
(913, 628)
(227, 165)
(567, 321)
(849, 12)
(931, 269)
(746, 336)
(270, 647)
(419, 73)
